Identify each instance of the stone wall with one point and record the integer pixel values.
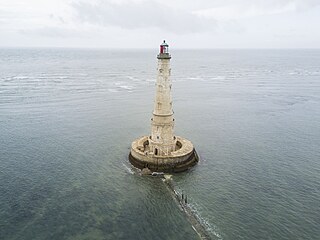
(177, 161)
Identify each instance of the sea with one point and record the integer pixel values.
(68, 117)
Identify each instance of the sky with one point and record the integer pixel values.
(145, 23)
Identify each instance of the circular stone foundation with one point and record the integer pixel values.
(177, 161)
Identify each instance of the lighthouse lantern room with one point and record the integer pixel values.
(164, 51)
(164, 47)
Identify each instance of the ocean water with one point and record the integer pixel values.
(68, 117)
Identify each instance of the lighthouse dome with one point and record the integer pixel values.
(164, 43)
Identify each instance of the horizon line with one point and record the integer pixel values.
(150, 48)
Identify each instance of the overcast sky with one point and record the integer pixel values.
(144, 23)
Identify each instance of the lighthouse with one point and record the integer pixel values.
(162, 151)
(162, 141)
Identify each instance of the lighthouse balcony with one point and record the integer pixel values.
(164, 56)
(180, 159)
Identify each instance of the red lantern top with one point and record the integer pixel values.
(164, 47)
(164, 51)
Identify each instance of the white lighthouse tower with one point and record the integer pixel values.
(162, 141)
(162, 150)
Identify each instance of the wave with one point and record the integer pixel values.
(194, 78)
(133, 78)
(21, 77)
(127, 87)
(128, 169)
(201, 226)
(150, 80)
(305, 73)
(113, 90)
(218, 78)
(204, 222)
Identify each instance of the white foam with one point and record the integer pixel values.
(304, 72)
(314, 73)
(20, 77)
(112, 90)
(128, 169)
(295, 73)
(218, 78)
(150, 80)
(157, 173)
(119, 83)
(204, 222)
(52, 77)
(194, 78)
(127, 87)
(133, 78)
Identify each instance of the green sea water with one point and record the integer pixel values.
(68, 117)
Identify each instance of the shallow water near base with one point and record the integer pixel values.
(68, 117)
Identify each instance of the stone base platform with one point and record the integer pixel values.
(178, 161)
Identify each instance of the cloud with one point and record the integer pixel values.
(53, 32)
(185, 23)
(141, 14)
(232, 9)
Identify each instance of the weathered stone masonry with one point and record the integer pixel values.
(162, 151)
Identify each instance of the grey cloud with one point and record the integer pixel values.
(52, 32)
(301, 5)
(148, 14)
(206, 4)
(5, 16)
(57, 18)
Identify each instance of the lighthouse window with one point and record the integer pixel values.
(159, 106)
(160, 70)
(157, 137)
